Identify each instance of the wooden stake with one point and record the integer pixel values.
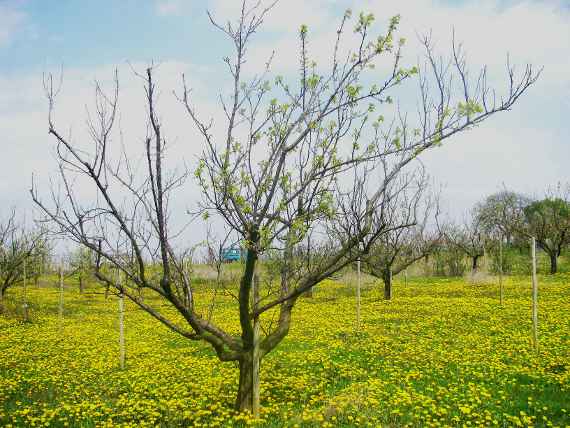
(60, 299)
(24, 297)
(358, 295)
(41, 271)
(501, 291)
(122, 351)
(534, 297)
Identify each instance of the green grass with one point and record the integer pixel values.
(442, 353)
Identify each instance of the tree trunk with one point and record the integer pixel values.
(475, 264)
(244, 400)
(1, 300)
(81, 285)
(387, 278)
(553, 263)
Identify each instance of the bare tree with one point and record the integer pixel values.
(469, 238)
(82, 264)
(19, 250)
(411, 236)
(293, 158)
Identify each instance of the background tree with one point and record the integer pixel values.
(448, 260)
(82, 264)
(41, 260)
(469, 238)
(499, 213)
(292, 158)
(408, 237)
(18, 246)
(548, 220)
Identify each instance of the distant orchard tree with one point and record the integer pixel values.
(548, 220)
(293, 158)
(448, 260)
(499, 213)
(410, 232)
(469, 238)
(19, 251)
(82, 264)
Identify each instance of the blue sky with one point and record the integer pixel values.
(525, 149)
(89, 33)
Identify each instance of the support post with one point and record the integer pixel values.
(25, 297)
(41, 273)
(122, 330)
(60, 312)
(358, 294)
(122, 351)
(501, 291)
(534, 297)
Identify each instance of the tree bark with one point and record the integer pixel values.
(553, 263)
(81, 285)
(244, 399)
(387, 278)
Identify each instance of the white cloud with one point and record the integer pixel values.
(524, 148)
(28, 149)
(12, 20)
(170, 7)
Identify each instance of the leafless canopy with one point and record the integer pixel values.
(411, 229)
(18, 246)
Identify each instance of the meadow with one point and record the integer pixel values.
(443, 352)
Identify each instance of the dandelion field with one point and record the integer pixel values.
(441, 353)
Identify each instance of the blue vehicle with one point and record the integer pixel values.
(231, 255)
